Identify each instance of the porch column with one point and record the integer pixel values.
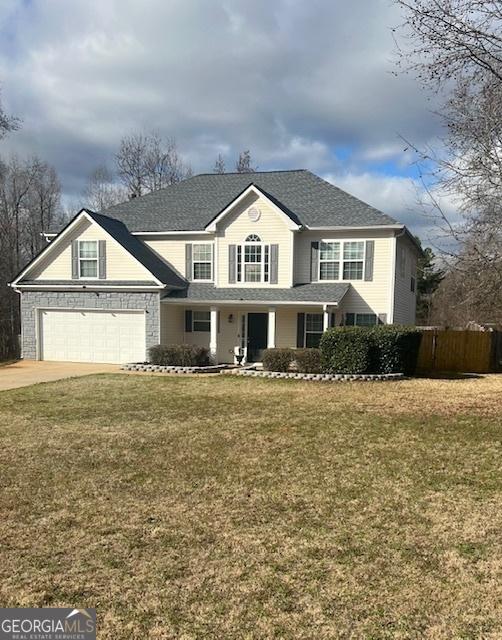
(271, 328)
(325, 318)
(213, 339)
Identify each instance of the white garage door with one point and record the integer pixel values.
(92, 336)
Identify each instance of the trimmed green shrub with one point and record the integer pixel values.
(395, 348)
(346, 350)
(277, 359)
(379, 349)
(179, 355)
(307, 360)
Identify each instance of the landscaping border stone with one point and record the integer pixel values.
(321, 377)
(157, 368)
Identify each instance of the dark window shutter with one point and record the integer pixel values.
(382, 318)
(102, 259)
(274, 263)
(300, 330)
(74, 260)
(314, 262)
(188, 320)
(188, 262)
(369, 260)
(231, 263)
(332, 319)
(350, 319)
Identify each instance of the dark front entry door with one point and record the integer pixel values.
(257, 335)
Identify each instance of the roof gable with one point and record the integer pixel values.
(160, 272)
(287, 215)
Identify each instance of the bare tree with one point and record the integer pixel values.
(43, 208)
(29, 204)
(102, 191)
(243, 164)
(147, 162)
(455, 48)
(7, 123)
(219, 164)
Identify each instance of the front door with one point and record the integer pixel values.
(257, 335)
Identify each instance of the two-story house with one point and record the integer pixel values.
(268, 259)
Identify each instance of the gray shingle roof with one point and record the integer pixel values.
(190, 205)
(140, 251)
(323, 293)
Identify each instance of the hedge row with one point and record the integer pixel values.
(178, 355)
(303, 360)
(379, 349)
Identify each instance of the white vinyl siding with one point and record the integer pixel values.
(271, 228)
(405, 300)
(120, 265)
(172, 248)
(172, 324)
(363, 297)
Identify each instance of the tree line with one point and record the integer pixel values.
(454, 47)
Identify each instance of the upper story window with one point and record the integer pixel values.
(253, 260)
(202, 262)
(353, 260)
(88, 258)
(341, 260)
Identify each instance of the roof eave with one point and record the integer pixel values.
(314, 303)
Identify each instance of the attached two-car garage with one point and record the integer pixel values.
(91, 335)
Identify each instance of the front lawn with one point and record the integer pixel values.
(225, 507)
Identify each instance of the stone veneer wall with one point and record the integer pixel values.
(33, 300)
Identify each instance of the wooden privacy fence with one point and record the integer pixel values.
(462, 351)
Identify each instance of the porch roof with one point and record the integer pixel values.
(312, 292)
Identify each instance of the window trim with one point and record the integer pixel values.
(194, 330)
(341, 261)
(240, 261)
(96, 260)
(305, 332)
(210, 262)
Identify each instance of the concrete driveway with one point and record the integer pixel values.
(26, 372)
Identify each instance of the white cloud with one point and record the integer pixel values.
(291, 80)
(401, 198)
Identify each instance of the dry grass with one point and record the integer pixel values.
(234, 508)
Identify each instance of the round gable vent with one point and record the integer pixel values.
(254, 214)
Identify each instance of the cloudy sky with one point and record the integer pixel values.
(301, 84)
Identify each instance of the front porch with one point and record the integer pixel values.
(224, 329)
